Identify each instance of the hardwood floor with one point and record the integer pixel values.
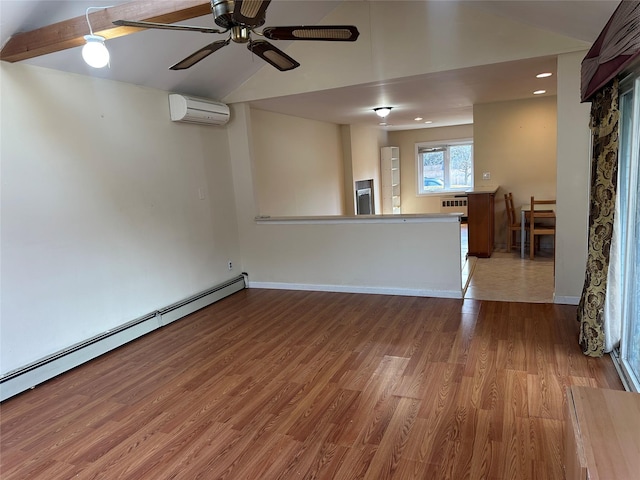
(271, 384)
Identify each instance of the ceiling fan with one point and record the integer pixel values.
(240, 18)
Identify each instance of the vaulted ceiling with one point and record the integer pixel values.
(143, 57)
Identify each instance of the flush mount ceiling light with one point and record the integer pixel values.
(382, 111)
(95, 52)
(544, 75)
(417, 119)
(539, 92)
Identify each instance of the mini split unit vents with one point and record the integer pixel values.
(202, 111)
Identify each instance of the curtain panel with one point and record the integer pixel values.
(616, 47)
(604, 175)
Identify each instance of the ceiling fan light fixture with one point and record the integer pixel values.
(382, 111)
(95, 52)
(241, 18)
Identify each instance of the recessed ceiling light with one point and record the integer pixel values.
(428, 121)
(539, 92)
(544, 75)
(417, 119)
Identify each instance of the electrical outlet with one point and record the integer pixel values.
(230, 265)
(486, 175)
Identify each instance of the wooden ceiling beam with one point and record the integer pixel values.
(70, 33)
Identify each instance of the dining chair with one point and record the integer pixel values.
(539, 224)
(513, 223)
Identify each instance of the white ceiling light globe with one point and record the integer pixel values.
(382, 111)
(94, 52)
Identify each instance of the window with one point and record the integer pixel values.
(629, 197)
(444, 167)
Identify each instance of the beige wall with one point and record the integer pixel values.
(362, 162)
(298, 165)
(406, 140)
(347, 169)
(573, 181)
(304, 167)
(516, 143)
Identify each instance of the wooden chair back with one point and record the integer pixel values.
(511, 211)
(513, 223)
(540, 227)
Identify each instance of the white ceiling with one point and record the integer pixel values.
(445, 98)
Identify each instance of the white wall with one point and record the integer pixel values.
(297, 165)
(383, 255)
(102, 215)
(573, 172)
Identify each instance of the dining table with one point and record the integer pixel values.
(545, 210)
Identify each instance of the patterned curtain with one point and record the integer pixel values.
(604, 175)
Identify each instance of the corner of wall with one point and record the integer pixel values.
(573, 173)
(347, 161)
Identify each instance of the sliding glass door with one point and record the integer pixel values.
(629, 198)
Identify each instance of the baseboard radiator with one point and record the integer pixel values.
(454, 204)
(46, 368)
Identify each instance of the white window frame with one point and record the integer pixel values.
(447, 185)
(630, 256)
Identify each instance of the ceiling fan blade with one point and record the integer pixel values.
(199, 55)
(165, 26)
(336, 33)
(273, 55)
(250, 12)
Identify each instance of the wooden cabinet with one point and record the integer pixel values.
(481, 221)
(390, 179)
(602, 434)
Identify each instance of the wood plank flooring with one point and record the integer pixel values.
(270, 384)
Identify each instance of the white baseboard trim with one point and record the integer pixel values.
(38, 372)
(566, 300)
(358, 289)
(29, 376)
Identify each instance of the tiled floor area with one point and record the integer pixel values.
(507, 277)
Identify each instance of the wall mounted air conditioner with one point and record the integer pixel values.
(197, 110)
